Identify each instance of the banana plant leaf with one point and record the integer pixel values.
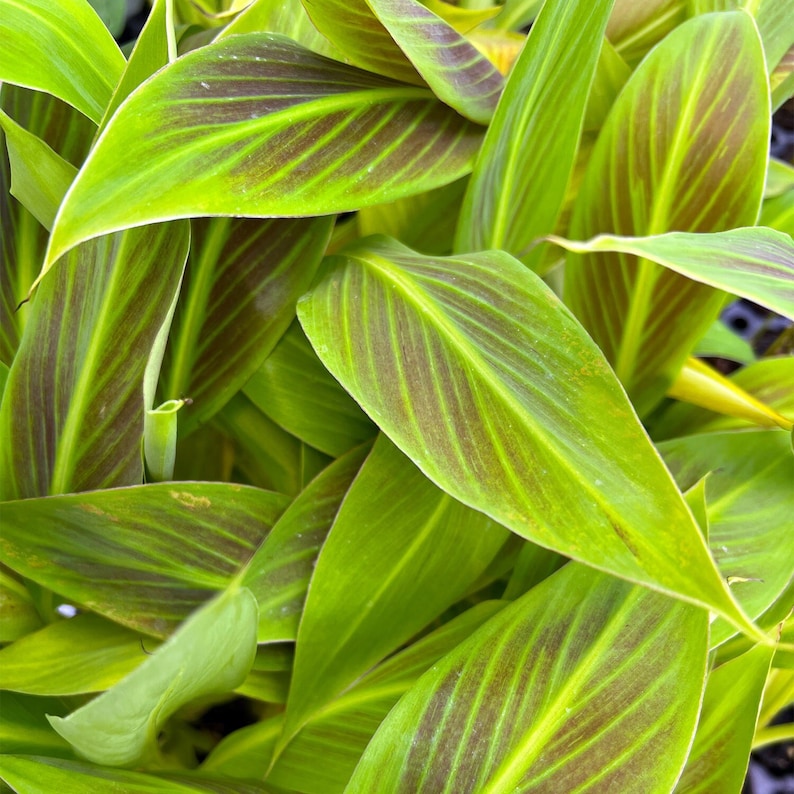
(288, 133)
(652, 166)
(577, 685)
(399, 553)
(486, 381)
(77, 379)
(155, 552)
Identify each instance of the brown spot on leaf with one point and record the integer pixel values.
(191, 501)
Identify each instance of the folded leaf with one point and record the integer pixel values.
(478, 373)
(288, 133)
(211, 652)
(584, 683)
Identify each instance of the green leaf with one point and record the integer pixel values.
(211, 652)
(112, 12)
(288, 133)
(18, 614)
(61, 47)
(585, 682)
(83, 654)
(749, 502)
(634, 28)
(486, 381)
(155, 552)
(398, 554)
(782, 80)
(341, 730)
(76, 382)
(242, 282)
(719, 756)
(24, 726)
(452, 66)
(279, 572)
(39, 177)
(520, 178)
(295, 390)
(43, 775)
(651, 167)
(722, 342)
(754, 263)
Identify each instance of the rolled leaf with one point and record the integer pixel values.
(702, 90)
(288, 133)
(211, 653)
(155, 552)
(519, 182)
(399, 553)
(61, 47)
(585, 682)
(73, 412)
(242, 282)
(486, 381)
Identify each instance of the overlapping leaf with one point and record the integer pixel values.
(287, 133)
(519, 182)
(154, 552)
(483, 378)
(61, 47)
(24, 727)
(279, 573)
(636, 27)
(684, 149)
(719, 756)
(43, 775)
(584, 683)
(749, 502)
(399, 553)
(211, 653)
(84, 654)
(242, 281)
(755, 263)
(72, 414)
(294, 389)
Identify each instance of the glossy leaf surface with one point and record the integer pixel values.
(211, 652)
(83, 654)
(755, 263)
(566, 689)
(61, 47)
(701, 91)
(242, 281)
(295, 390)
(77, 380)
(519, 182)
(155, 552)
(748, 500)
(399, 553)
(288, 133)
(481, 376)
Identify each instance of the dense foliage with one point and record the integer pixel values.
(356, 429)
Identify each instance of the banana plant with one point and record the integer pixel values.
(355, 382)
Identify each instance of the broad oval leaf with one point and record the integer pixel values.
(399, 553)
(73, 412)
(522, 172)
(584, 684)
(155, 552)
(61, 47)
(477, 371)
(288, 133)
(211, 653)
(684, 149)
(242, 281)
